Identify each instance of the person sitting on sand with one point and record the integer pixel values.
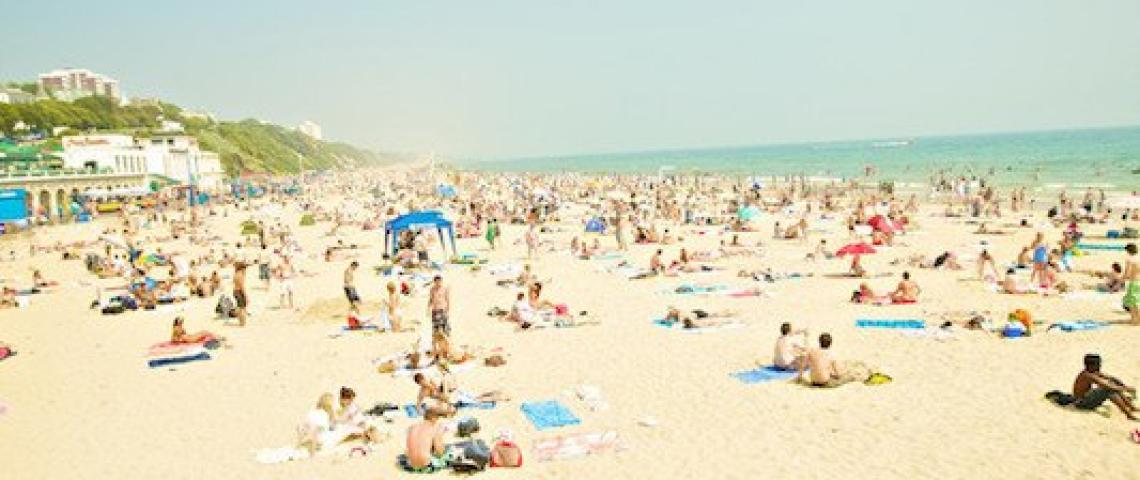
(856, 270)
(431, 397)
(986, 261)
(442, 350)
(656, 266)
(1092, 387)
(907, 290)
(178, 334)
(426, 450)
(789, 353)
(521, 312)
(821, 252)
(866, 295)
(314, 434)
(1113, 280)
(349, 423)
(825, 370)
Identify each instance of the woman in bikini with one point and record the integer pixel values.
(178, 334)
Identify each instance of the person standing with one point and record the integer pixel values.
(492, 232)
(240, 298)
(350, 287)
(439, 305)
(1131, 279)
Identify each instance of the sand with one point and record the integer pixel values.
(82, 403)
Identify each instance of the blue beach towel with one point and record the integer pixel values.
(410, 410)
(1078, 325)
(1100, 246)
(549, 414)
(890, 323)
(767, 373)
(162, 362)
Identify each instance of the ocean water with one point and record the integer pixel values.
(1098, 158)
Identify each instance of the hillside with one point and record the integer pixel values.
(244, 146)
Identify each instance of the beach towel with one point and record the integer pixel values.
(890, 323)
(562, 448)
(767, 373)
(1100, 246)
(411, 412)
(346, 328)
(168, 349)
(1078, 325)
(167, 361)
(678, 326)
(687, 289)
(549, 414)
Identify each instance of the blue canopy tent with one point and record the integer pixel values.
(415, 221)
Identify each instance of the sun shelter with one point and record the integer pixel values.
(416, 221)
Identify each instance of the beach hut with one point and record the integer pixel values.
(13, 205)
(416, 221)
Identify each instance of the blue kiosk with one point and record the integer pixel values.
(416, 221)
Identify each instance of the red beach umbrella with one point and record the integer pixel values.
(855, 249)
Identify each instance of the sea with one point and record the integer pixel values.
(1106, 158)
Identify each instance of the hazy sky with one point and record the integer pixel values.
(488, 78)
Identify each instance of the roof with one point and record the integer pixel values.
(427, 217)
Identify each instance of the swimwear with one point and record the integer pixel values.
(1040, 255)
(439, 321)
(1132, 295)
(1093, 399)
(239, 299)
(350, 292)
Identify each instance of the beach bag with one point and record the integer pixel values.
(225, 307)
(473, 458)
(353, 322)
(503, 450)
(467, 427)
(1060, 398)
(1022, 316)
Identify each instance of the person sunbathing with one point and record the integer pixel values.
(1010, 285)
(442, 350)
(178, 334)
(907, 290)
(698, 318)
(1092, 387)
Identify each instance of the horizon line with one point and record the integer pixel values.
(662, 150)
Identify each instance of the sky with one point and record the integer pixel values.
(518, 78)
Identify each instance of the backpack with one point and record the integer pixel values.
(474, 457)
(225, 308)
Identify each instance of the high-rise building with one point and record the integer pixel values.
(311, 129)
(72, 83)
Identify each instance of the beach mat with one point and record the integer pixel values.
(890, 323)
(410, 410)
(573, 446)
(767, 373)
(164, 362)
(549, 414)
(1078, 325)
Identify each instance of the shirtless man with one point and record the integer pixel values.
(1131, 278)
(439, 304)
(825, 370)
(241, 301)
(1092, 388)
(907, 291)
(531, 242)
(350, 287)
(789, 348)
(426, 449)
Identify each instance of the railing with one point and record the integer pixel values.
(61, 173)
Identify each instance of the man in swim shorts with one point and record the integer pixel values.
(426, 451)
(1131, 278)
(350, 287)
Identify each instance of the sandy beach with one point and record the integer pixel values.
(80, 402)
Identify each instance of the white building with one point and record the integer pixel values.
(73, 83)
(311, 129)
(14, 96)
(119, 153)
(176, 157)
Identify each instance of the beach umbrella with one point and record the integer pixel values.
(855, 249)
